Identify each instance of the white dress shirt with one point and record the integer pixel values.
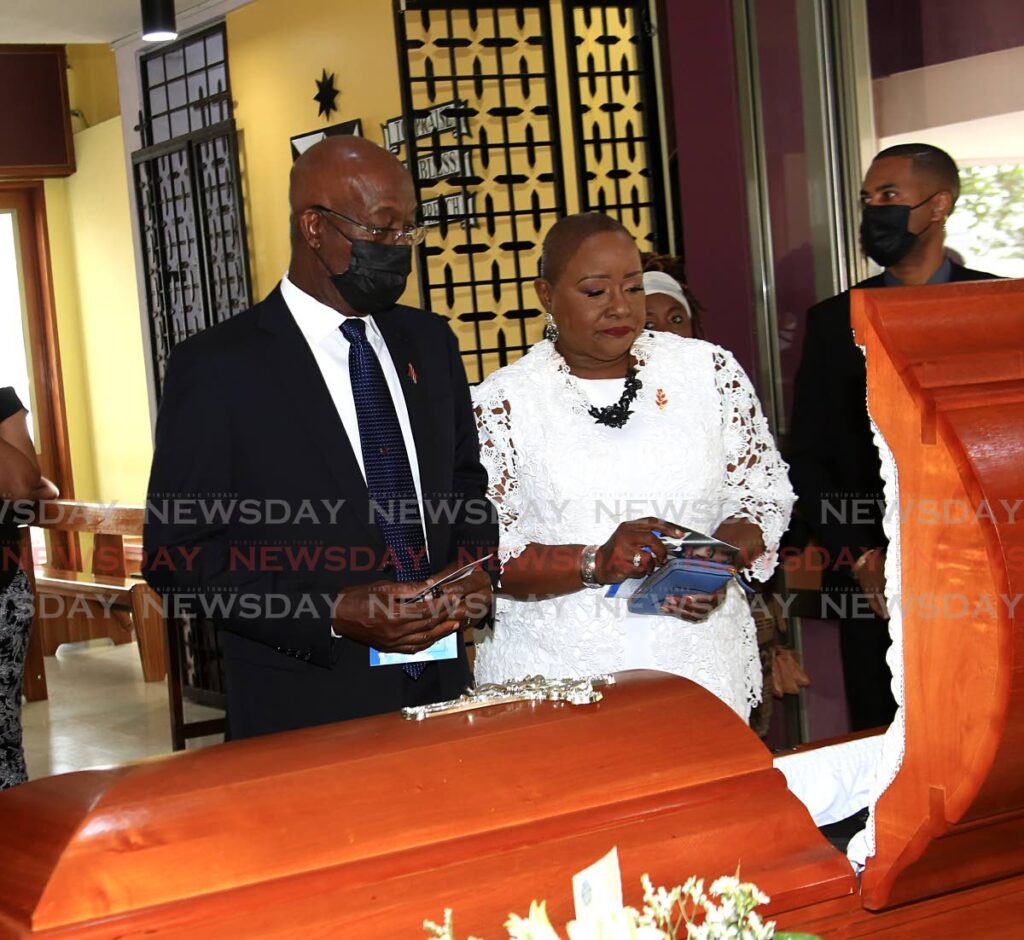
(321, 326)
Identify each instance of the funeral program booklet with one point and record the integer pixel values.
(681, 551)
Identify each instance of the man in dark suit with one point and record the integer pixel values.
(908, 192)
(317, 467)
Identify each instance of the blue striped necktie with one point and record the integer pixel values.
(389, 479)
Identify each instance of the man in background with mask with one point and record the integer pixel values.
(908, 193)
(317, 468)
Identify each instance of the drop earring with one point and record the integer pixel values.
(550, 328)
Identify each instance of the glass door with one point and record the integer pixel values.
(807, 125)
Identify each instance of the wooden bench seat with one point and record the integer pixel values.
(84, 583)
(108, 600)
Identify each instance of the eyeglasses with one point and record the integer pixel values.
(413, 235)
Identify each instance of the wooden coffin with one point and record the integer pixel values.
(363, 829)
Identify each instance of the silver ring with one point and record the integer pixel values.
(468, 622)
(637, 558)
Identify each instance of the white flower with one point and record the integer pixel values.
(755, 893)
(535, 927)
(724, 885)
(665, 913)
(441, 931)
(659, 904)
(582, 930)
(758, 929)
(615, 925)
(694, 889)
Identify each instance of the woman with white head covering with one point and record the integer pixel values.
(668, 310)
(671, 305)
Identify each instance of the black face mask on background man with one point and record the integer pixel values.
(375, 277)
(885, 235)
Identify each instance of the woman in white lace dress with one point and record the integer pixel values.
(598, 439)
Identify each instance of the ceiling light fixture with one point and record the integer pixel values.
(158, 21)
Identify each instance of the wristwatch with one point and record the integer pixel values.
(588, 567)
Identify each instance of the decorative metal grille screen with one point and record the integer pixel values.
(615, 121)
(482, 137)
(189, 199)
(478, 87)
(185, 87)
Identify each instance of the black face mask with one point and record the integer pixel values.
(376, 275)
(885, 235)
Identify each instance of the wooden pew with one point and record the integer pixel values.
(108, 587)
(114, 585)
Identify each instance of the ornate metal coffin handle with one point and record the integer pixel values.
(531, 689)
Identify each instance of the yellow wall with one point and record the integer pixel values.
(92, 84)
(69, 336)
(99, 328)
(93, 277)
(275, 53)
(111, 331)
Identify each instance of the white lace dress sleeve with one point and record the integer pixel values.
(498, 455)
(756, 483)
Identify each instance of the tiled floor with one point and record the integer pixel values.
(99, 711)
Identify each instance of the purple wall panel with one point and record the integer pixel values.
(786, 164)
(701, 63)
(910, 34)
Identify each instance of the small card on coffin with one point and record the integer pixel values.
(597, 890)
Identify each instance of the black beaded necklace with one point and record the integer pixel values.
(617, 414)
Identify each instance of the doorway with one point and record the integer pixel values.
(29, 348)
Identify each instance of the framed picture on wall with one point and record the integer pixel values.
(302, 142)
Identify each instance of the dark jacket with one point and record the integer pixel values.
(834, 464)
(247, 427)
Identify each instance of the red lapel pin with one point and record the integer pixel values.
(411, 372)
